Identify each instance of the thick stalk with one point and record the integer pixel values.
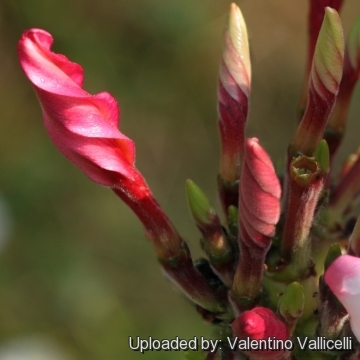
(305, 184)
(170, 248)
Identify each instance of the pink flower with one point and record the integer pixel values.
(343, 278)
(83, 127)
(257, 324)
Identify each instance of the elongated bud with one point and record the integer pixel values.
(233, 96)
(259, 211)
(354, 240)
(343, 278)
(324, 80)
(305, 186)
(215, 243)
(291, 305)
(316, 16)
(257, 324)
(260, 191)
(337, 121)
(315, 19)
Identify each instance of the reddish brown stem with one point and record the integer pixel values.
(170, 249)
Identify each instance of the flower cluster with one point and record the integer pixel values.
(264, 273)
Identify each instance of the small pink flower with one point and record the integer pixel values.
(257, 324)
(343, 278)
(83, 127)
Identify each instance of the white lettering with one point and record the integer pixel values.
(302, 345)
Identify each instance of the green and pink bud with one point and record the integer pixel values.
(315, 19)
(324, 81)
(337, 121)
(233, 100)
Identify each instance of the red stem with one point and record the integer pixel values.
(170, 248)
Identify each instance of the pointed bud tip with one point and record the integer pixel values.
(199, 204)
(322, 156)
(235, 70)
(329, 54)
(239, 35)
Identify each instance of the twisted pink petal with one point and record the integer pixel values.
(343, 278)
(83, 127)
(260, 193)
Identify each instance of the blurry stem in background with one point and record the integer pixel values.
(344, 194)
(354, 240)
(337, 120)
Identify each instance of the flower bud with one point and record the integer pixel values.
(260, 191)
(324, 80)
(257, 324)
(215, 243)
(338, 118)
(233, 95)
(259, 211)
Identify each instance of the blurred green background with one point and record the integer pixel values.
(77, 277)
